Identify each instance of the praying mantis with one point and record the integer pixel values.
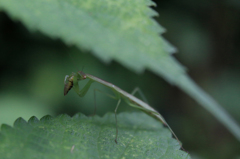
(71, 81)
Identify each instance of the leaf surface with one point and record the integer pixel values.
(140, 136)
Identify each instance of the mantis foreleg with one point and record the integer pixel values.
(84, 90)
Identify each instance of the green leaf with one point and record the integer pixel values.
(139, 136)
(122, 30)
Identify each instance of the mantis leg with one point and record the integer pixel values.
(157, 116)
(84, 90)
(115, 111)
(117, 96)
(141, 108)
(119, 101)
(137, 89)
(95, 105)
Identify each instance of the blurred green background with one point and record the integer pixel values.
(207, 35)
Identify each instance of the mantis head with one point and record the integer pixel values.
(72, 80)
(81, 75)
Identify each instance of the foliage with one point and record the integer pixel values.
(140, 136)
(33, 65)
(112, 31)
